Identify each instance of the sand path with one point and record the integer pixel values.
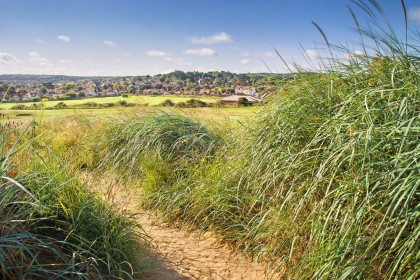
(182, 253)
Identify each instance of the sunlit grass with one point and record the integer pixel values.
(136, 99)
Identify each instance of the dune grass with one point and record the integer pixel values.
(52, 225)
(322, 183)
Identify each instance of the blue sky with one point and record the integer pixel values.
(138, 37)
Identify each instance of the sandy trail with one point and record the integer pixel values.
(181, 253)
(193, 255)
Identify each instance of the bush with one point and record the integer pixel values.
(125, 103)
(192, 103)
(60, 105)
(243, 102)
(19, 107)
(90, 105)
(167, 103)
(34, 106)
(71, 95)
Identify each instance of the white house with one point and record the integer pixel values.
(245, 90)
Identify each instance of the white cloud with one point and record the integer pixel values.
(36, 57)
(110, 43)
(414, 14)
(155, 53)
(245, 53)
(8, 58)
(312, 54)
(64, 60)
(168, 57)
(64, 38)
(42, 42)
(215, 39)
(201, 52)
(245, 61)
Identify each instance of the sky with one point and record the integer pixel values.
(147, 37)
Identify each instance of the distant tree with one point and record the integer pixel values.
(21, 93)
(69, 86)
(243, 102)
(48, 85)
(71, 95)
(116, 86)
(10, 92)
(136, 79)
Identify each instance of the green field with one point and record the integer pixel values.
(149, 100)
(233, 114)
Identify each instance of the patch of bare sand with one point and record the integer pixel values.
(195, 255)
(180, 253)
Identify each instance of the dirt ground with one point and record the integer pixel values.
(181, 253)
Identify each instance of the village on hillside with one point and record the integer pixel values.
(231, 87)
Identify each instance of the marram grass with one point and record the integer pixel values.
(323, 184)
(51, 226)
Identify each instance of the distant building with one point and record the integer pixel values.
(245, 90)
(234, 99)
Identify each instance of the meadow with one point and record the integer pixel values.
(321, 183)
(147, 100)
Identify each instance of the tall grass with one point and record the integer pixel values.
(322, 184)
(52, 226)
(174, 139)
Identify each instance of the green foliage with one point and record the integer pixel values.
(172, 138)
(60, 105)
(167, 103)
(71, 95)
(192, 103)
(52, 226)
(19, 107)
(322, 184)
(243, 102)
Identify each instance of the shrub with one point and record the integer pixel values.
(167, 103)
(90, 105)
(19, 107)
(243, 102)
(60, 105)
